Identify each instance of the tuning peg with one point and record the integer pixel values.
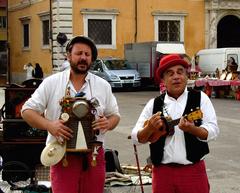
(94, 157)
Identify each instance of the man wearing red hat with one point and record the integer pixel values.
(178, 126)
(74, 176)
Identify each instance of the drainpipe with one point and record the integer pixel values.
(8, 78)
(50, 29)
(136, 21)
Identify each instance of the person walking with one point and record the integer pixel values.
(177, 134)
(75, 177)
(37, 72)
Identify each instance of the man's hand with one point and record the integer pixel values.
(185, 125)
(59, 130)
(153, 129)
(155, 123)
(102, 124)
(188, 126)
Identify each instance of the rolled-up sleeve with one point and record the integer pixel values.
(37, 101)
(145, 115)
(46, 97)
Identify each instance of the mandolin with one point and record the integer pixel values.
(194, 115)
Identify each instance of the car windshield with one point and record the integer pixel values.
(117, 64)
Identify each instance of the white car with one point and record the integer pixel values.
(117, 72)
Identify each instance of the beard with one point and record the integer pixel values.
(80, 67)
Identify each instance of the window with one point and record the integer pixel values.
(25, 31)
(100, 25)
(104, 33)
(3, 22)
(45, 19)
(169, 28)
(235, 56)
(26, 35)
(45, 32)
(169, 31)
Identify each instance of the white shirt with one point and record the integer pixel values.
(174, 149)
(46, 97)
(65, 65)
(29, 70)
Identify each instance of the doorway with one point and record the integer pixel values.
(228, 30)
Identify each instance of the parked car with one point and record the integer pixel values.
(117, 72)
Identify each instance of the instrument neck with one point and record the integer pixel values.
(173, 123)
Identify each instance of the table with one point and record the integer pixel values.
(211, 84)
(216, 82)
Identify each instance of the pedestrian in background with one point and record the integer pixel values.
(29, 69)
(74, 178)
(177, 152)
(37, 71)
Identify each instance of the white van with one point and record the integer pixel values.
(211, 59)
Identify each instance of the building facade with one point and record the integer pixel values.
(222, 23)
(39, 29)
(29, 41)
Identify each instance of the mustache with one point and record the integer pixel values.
(83, 62)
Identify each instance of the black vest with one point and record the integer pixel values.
(195, 148)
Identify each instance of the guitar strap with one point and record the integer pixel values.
(195, 148)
